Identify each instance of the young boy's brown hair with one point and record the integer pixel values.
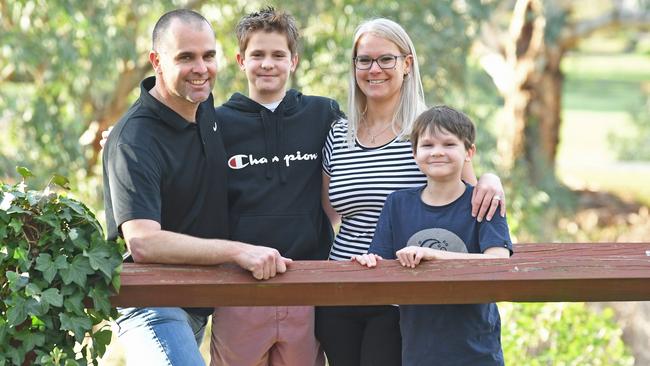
(268, 20)
(444, 118)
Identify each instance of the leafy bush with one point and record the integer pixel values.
(561, 334)
(58, 272)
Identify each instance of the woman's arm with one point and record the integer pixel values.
(335, 218)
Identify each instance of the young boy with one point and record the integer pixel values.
(434, 222)
(273, 139)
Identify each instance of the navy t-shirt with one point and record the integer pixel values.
(467, 334)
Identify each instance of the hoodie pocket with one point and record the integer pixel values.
(294, 236)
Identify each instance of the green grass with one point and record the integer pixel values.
(600, 91)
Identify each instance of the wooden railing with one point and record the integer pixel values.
(535, 273)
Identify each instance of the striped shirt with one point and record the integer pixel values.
(360, 180)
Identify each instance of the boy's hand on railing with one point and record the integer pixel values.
(411, 256)
(367, 260)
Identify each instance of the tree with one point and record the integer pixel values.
(70, 69)
(525, 65)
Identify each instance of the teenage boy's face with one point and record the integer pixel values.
(268, 63)
(442, 155)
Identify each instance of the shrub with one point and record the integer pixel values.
(58, 272)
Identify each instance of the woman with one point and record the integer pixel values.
(366, 158)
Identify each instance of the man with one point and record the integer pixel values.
(166, 190)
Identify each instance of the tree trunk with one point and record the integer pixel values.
(532, 97)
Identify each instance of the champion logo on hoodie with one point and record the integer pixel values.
(241, 161)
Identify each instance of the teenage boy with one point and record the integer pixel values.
(434, 222)
(165, 187)
(273, 139)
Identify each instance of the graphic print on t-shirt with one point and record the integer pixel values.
(438, 238)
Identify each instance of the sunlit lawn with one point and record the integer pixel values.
(599, 94)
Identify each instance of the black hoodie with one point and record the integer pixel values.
(274, 185)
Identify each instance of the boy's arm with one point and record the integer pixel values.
(381, 246)
(412, 256)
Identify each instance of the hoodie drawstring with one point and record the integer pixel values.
(266, 124)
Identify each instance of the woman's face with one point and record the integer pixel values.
(376, 83)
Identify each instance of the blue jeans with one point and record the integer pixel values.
(161, 336)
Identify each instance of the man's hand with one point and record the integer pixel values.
(262, 262)
(367, 260)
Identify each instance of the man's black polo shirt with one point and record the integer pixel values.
(160, 167)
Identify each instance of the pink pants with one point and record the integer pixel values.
(264, 336)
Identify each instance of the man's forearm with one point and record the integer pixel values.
(173, 248)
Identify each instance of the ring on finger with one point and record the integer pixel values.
(496, 198)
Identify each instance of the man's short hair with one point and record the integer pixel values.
(184, 15)
(445, 118)
(267, 20)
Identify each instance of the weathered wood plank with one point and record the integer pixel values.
(536, 273)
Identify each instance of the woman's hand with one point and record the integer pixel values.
(487, 196)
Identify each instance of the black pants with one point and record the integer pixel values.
(360, 335)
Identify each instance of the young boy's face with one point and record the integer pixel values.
(268, 62)
(441, 155)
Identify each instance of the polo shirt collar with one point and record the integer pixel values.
(166, 114)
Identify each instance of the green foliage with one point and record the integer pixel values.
(561, 334)
(54, 262)
(634, 146)
(68, 67)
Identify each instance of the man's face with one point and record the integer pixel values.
(268, 63)
(185, 62)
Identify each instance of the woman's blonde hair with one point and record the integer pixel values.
(411, 102)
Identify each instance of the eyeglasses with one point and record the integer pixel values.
(383, 61)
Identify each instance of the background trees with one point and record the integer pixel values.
(70, 68)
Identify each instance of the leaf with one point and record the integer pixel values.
(74, 303)
(77, 272)
(17, 281)
(32, 290)
(34, 306)
(116, 281)
(61, 181)
(24, 172)
(98, 257)
(78, 325)
(52, 297)
(3, 330)
(16, 225)
(17, 312)
(102, 339)
(7, 200)
(44, 264)
(100, 299)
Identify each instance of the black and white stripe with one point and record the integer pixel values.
(360, 180)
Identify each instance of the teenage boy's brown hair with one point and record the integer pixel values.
(444, 118)
(267, 20)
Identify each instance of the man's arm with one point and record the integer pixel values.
(148, 243)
